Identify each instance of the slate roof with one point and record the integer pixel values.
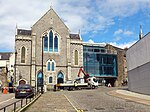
(23, 32)
(74, 36)
(5, 55)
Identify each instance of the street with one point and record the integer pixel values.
(97, 100)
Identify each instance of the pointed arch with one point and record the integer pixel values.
(51, 41)
(53, 66)
(39, 79)
(50, 65)
(60, 78)
(23, 53)
(50, 79)
(22, 81)
(76, 57)
(56, 44)
(45, 43)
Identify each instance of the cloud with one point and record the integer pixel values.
(91, 41)
(122, 45)
(119, 31)
(117, 38)
(128, 33)
(86, 15)
(124, 32)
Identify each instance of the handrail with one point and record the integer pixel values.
(21, 104)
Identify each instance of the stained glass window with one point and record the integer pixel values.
(55, 44)
(45, 43)
(51, 41)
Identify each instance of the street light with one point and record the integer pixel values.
(42, 68)
(15, 65)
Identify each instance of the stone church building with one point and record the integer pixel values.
(47, 51)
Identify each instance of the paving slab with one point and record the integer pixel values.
(132, 96)
(51, 102)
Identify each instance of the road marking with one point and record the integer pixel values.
(7, 100)
(77, 110)
(71, 104)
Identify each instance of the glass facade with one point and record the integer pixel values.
(98, 62)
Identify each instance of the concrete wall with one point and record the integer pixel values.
(139, 53)
(139, 79)
(138, 64)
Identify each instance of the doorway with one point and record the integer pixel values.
(60, 78)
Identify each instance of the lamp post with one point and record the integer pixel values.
(15, 66)
(42, 68)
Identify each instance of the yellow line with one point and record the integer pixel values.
(72, 104)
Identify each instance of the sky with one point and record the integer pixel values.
(116, 22)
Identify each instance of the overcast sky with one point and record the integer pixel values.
(100, 21)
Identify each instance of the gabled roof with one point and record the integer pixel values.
(23, 32)
(5, 55)
(51, 10)
(74, 36)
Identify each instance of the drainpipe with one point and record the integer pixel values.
(42, 68)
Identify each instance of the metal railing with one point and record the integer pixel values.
(19, 104)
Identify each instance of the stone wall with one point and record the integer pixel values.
(121, 64)
(23, 70)
(3, 76)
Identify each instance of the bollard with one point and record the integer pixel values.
(5, 90)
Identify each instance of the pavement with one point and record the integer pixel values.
(56, 102)
(52, 102)
(131, 96)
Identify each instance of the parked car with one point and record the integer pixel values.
(24, 90)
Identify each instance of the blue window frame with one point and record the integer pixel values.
(45, 43)
(51, 41)
(50, 79)
(52, 66)
(48, 67)
(55, 44)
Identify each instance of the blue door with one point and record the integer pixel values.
(40, 79)
(60, 78)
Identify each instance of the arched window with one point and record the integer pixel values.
(40, 79)
(48, 67)
(60, 78)
(51, 41)
(55, 44)
(45, 43)
(50, 79)
(51, 65)
(23, 52)
(76, 57)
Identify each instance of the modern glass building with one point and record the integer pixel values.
(100, 62)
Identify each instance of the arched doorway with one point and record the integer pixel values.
(60, 78)
(22, 82)
(40, 79)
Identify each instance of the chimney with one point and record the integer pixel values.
(141, 33)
